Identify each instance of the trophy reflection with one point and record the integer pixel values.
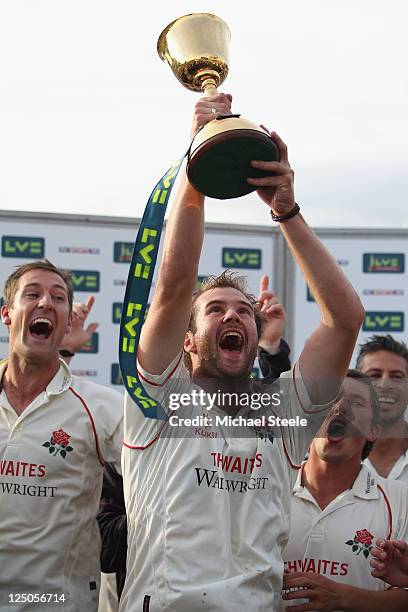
(196, 48)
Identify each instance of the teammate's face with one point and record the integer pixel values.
(389, 373)
(348, 426)
(225, 341)
(39, 316)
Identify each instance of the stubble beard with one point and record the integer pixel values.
(210, 366)
(37, 359)
(392, 420)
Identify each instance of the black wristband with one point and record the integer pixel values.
(66, 353)
(281, 218)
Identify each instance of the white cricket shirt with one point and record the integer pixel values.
(336, 541)
(399, 470)
(208, 513)
(51, 466)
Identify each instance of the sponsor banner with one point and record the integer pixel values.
(374, 263)
(27, 247)
(384, 292)
(85, 373)
(117, 312)
(122, 252)
(384, 263)
(89, 250)
(383, 321)
(92, 346)
(86, 280)
(235, 257)
(79, 250)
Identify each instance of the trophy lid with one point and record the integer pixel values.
(196, 48)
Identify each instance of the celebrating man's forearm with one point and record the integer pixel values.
(338, 302)
(341, 310)
(169, 315)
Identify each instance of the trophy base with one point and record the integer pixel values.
(220, 165)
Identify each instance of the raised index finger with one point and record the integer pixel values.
(264, 283)
(90, 302)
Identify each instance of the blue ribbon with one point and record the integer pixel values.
(137, 292)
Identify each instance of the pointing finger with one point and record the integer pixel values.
(263, 285)
(90, 302)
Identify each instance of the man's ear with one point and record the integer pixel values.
(189, 344)
(5, 315)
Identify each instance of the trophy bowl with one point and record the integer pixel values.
(196, 47)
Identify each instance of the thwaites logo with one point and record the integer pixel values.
(241, 258)
(28, 247)
(86, 280)
(117, 312)
(383, 321)
(116, 376)
(380, 263)
(92, 346)
(122, 252)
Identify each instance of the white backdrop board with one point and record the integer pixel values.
(375, 261)
(98, 251)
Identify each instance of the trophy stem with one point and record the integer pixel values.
(207, 80)
(209, 87)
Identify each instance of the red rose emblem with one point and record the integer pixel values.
(60, 437)
(364, 537)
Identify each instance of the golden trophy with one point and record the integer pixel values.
(196, 48)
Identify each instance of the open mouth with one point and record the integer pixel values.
(41, 327)
(337, 429)
(232, 341)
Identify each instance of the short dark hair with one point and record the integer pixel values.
(382, 343)
(12, 282)
(226, 279)
(375, 405)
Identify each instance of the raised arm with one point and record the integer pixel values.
(327, 353)
(169, 313)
